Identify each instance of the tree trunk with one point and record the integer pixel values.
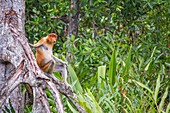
(73, 26)
(18, 65)
(8, 48)
(74, 14)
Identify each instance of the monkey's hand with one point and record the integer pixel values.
(66, 64)
(60, 61)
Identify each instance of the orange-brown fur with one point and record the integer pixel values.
(44, 56)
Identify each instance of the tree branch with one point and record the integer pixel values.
(51, 86)
(11, 84)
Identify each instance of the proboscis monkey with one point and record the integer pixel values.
(45, 58)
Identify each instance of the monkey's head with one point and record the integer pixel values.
(52, 38)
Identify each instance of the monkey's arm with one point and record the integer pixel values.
(59, 60)
(63, 69)
(38, 46)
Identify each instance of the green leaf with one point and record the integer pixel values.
(6, 108)
(150, 60)
(84, 103)
(127, 64)
(143, 86)
(168, 108)
(12, 108)
(101, 76)
(157, 88)
(112, 69)
(51, 102)
(150, 5)
(163, 100)
(98, 108)
(71, 107)
(109, 45)
(77, 87)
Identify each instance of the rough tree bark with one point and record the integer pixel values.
(72, 25)
(5, 39)
(73, 19)
(18, 64)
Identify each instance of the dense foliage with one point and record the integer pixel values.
(121, 56)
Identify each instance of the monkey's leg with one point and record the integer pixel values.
(48, 67)
(63, 70)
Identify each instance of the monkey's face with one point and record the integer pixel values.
(52, 38)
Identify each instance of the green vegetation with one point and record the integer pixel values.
(120, 60)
